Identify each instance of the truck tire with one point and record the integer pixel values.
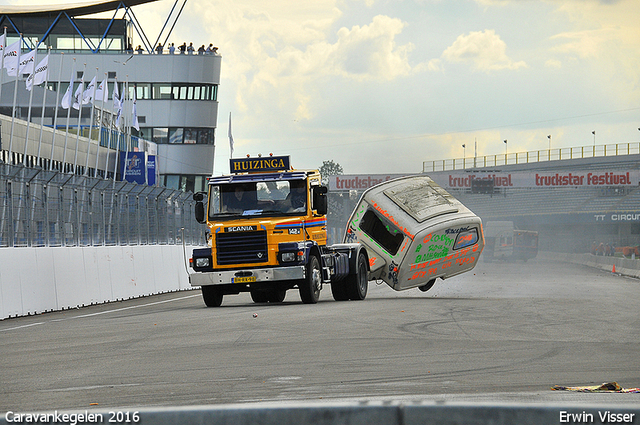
(310, 286)
(212, 296)
(356, 285)
(259, 297)
(276, 295)
(339, 291)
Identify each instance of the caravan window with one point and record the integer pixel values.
(387, 235)
(466, 238)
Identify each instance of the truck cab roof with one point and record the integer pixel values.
(244, 178)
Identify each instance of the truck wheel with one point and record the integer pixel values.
(427, 286)
(276, 295)
(356, 285)
(259, 297)
(212, 297)
(339, 291)
(310, 286)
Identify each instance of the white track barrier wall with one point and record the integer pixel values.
(37, 280)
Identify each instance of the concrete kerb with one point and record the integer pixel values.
(622, 266)
(380, 413)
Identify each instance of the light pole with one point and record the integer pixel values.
(464, 155)
(594, 137)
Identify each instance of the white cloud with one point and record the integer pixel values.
(553, 63)
(604, 39)
(279, 61)
(370, 51)
(484, 49)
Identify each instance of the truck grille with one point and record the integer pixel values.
(241, 247)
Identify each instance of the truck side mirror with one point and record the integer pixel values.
(199, 207)
(320, 199)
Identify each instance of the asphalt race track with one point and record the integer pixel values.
(504, 332)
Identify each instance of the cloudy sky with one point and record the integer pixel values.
(380, 86)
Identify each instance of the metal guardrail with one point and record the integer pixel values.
(41, 208)
(594, 151)
(345, 413)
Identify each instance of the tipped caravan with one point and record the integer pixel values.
(415, 232)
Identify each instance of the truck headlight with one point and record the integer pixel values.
(288, 256)
(202, 262)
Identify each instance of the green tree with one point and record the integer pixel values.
(329, 168)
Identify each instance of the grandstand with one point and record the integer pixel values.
(568, 218)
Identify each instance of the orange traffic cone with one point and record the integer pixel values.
(614, 269)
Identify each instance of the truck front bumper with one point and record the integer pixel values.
(246, 276)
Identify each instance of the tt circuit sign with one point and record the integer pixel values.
(618, 217)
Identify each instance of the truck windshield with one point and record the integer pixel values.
(258, 198)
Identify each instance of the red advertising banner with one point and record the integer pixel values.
(518, 179)
(533, 179)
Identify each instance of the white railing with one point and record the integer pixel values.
(630, 148)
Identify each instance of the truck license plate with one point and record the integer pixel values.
(246, 279)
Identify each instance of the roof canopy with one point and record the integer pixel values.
(72, 9)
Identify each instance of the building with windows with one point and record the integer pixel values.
(176, 95)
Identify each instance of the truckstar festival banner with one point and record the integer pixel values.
(528, 179)
(359, 182)
(525, 179)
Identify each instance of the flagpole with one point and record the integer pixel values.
(55, 114)
(26, 138)
(111, 127)
(93, 102)
(117, 127)
(15, 93)
(80, 102)
(4, 47)
(126, 139)
(44, 98)
(66, 134)
(105, 93)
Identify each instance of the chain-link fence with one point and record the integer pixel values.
(48, 208)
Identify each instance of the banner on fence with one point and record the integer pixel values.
(151, 170)
(133, 167)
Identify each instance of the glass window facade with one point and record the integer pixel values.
(174, 91)
(185, 182)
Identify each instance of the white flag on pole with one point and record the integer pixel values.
(40, 75)
(27, 62)
(87, 95)
(135, 124)
(3, 40)
(11, 57)
(102, 92)
(77, 96)
(230, 136)
(118, 119)
(117, 104)
(66, 99)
